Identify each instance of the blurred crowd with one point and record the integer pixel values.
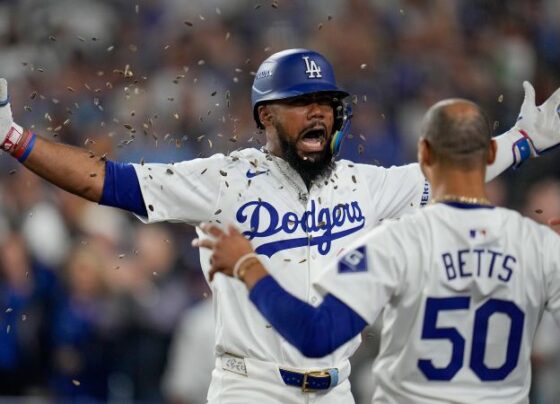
(97, 307)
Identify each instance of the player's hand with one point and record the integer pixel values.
(6, 120)
(10, 132)
(227, 248)
(541, 124)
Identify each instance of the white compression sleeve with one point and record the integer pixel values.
(513, 148)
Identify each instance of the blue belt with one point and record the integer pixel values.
(311, 381)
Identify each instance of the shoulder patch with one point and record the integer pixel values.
(353, 261)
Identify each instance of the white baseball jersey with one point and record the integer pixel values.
(296, 232)
(463, 292)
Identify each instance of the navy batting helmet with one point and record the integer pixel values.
(296, 72)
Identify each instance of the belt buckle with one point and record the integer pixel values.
(313, 373)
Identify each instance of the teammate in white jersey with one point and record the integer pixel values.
(296, 204)
(464, 284)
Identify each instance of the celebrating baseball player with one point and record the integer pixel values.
(297, 204)
(463, 283)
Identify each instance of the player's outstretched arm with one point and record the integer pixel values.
(71, 168)
(537, 130)
(314, 331)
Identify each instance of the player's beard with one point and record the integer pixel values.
(308, 169)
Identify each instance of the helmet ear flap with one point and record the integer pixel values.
(341, 126)
(338, 112)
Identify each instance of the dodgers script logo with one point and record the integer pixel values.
(265, 221)
(312, 70)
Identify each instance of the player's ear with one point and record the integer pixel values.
(492, 150)
(425, 158)
(265, 115)
(425, 154)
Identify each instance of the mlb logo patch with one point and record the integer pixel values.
(474, 233)
(353, 261)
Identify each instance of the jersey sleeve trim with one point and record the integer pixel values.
(121, 188)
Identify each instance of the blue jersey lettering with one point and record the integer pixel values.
(479, 262)
(257, 213)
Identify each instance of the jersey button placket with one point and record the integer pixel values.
(309, 247)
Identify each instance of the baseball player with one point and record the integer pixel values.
(464, 284)
(297, 205)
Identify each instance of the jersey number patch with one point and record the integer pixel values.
(431, 331)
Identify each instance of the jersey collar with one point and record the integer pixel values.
(463, 205)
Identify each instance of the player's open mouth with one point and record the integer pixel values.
(313, 140)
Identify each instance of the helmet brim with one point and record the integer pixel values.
(302, 89)
(297, 91)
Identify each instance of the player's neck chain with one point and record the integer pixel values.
(302, 192)
(462, 199)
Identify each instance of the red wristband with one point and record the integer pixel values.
(24, 146)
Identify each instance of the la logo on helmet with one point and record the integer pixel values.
(313, 71)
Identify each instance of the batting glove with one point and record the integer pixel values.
(10, 132)
(539, 125)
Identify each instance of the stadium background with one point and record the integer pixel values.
(90, 299)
